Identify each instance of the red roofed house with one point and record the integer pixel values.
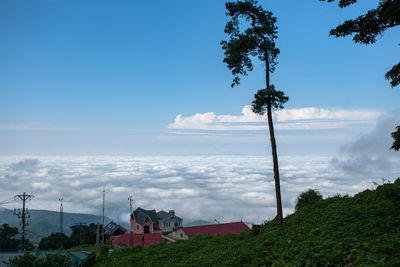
(186, 233)
(143, 240)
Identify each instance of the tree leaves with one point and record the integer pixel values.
(257, 40)
(265, 96)
(396, 137)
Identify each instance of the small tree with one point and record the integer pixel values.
(257, 40)
(55, 241)
(7, 242)
(307, 198)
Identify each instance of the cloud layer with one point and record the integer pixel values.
(227, 188)
(286, 119)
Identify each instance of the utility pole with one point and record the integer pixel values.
(61, 215)
(97, 233)
(102, 231)
(130, 216)
(80, 231)
(24, 197)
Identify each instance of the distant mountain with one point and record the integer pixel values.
(187, 223)
(42, 223)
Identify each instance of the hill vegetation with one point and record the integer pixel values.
(44, 222)
(337, 231)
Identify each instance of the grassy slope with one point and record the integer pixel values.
(338, 231)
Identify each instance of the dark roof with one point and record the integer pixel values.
(112, 226)
(216, 229)
(139, 239)
(141, 215)
(162, 215)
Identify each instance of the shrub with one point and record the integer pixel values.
(307, 198)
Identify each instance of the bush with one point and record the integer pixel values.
(307, 198)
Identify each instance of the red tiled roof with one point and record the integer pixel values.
(138, 239)
(216, 229)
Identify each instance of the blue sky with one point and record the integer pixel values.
(76, 68)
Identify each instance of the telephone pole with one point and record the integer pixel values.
(61, 215)
(130, 216)
(80, 231)
(102, 232)
(24, 197)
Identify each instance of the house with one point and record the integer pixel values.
(144, 221)
(143, 240)
(168, 221)
(112, 230)
(186, 233)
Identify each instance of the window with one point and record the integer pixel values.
(137, 226)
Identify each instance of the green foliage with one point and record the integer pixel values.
(396, 138)
(7, 242)
(265, 96)
(55, 241)
(363, 230)
(307, 198)
(88, 234)
(258, 40)
(31, 260)
(366, 28)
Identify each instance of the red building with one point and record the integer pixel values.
(186, 233)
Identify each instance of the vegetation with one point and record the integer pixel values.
(81, 235)
(258, 40)
(396, 138)
(8, 242)
(367, 28)
(55, 241)
(32, 260)
(307, 198)
(338, 231)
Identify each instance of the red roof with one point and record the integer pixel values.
(139, 239)
(216, 229)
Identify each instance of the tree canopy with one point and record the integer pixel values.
(368, 27)
(307, 198)
(396, 137)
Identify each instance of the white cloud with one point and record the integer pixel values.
(197, 187)
(40, 185)
(310, 118)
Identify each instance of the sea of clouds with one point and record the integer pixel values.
(226, 188)
(210, 187)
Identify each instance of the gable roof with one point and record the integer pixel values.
(141, 215)
(216, 229)
(139, 239)
(162, 215)
(112, 226)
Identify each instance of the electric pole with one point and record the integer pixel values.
(130, 216)
(61, 215)
(102, 232)
(24, 197)
(80, 231)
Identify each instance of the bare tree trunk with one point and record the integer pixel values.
(279, 214)
(275, 166)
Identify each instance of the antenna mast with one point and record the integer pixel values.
(61, 215)
(102, 233)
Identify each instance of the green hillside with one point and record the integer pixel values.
(363, 230)
(44, 222)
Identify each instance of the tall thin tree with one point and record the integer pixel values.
(255, 41)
